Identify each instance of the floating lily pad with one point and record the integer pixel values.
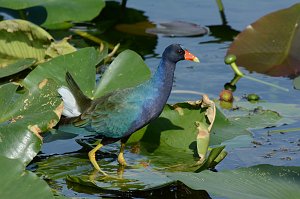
(271, 44)
(127, 70)
(297, 83)
(23, 43)
(17, 183)
(24, 116)
(138, 28)
(58, 11)
(20, 39)
(82, 65)
(16, 67)
(178, 29)
(263, 181)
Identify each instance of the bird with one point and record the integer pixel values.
(120, 113)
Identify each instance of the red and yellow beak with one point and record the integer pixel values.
(190, 56)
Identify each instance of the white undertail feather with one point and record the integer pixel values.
(71, 108)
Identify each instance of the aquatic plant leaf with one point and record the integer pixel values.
(18, 66)
(178, 29)
(24, 116)
(20, 39)
(211, 161)
(23, 43)
(176, 122)
(17, 183)
(262, 181)
(56, 12)
(81, 64)
(61, 47)
(297, 83)
(138, 28)
(271, 44)
(127, 70)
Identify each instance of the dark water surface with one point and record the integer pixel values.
(211, 74)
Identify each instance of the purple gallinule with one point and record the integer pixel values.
(118, 114)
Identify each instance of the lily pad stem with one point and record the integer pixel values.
(266, 83)
(230, 59)
(92, 38)
(236, 69)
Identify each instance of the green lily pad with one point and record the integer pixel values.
(263, 181)
(21, 39)
(215, 156)
(17, 183)
(127, 70)
(81, 64)
(16, 67)
(297, 83)
(23, 43)
(270, 44)
(58, 11)
(24, 116)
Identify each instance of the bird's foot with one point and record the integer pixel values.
(94, 176)
(92, 157)
(121, 159)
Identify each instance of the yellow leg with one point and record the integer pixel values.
(121, 158)
(92, 155)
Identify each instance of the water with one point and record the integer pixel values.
(211, 74)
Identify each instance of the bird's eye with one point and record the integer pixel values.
(180, 51)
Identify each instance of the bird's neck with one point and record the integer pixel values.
(163, 78)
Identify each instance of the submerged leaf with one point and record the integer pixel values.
(178, 29)
(136, 28)
(271, 44)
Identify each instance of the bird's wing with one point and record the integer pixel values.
(114, 114)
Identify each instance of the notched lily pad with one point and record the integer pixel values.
(20, 39)
(56, 13)
(24, 43)
(128, 69)
(25, 115)
(178, 29)
(271, 44)
(262, 181)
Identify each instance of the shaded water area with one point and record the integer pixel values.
(207, 77)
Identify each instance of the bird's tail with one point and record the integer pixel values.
(75, 102)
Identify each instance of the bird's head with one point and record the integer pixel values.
(175, 53)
